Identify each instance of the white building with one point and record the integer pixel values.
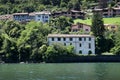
(20, 16)
(82, 43)
(43, 16)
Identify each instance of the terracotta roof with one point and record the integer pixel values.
(68, 35)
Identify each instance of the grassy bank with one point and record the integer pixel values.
(114, 20)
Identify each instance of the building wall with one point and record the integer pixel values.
(21, 17)
(76, 43)
(42, 17)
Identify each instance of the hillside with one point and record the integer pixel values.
(14, 6)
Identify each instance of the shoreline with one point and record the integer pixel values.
(77, 59)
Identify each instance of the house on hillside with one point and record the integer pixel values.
(6, 17)
(43, 16)
(81, 27)
(70, 13)
(21, 17)
(109, 12)
(111, 27)
(83, 44)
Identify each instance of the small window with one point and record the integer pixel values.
(80, 52)
(89, 52)
(70, 43)
(80, 45)
(89, 39)
(59, 39)
(84, 39)
(46, 16)
(64, 44)
(86, 29)
(39, 15)
(71, 39)
(80, 39)
(52, 39)
(89, 46)
(64, 39)
(46, 20)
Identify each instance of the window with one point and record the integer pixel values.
(46, 16)
(89, 52)
(46, 21)
(70, 39)
(80, 52)
(64, 39)
(80, 39)
(86, 29)
(52, 39)
(80, 45)
(64, 44)
(89, 39)
(70, 43)
(59, 39)
(89, 46)
(84, 39)
(39, 15)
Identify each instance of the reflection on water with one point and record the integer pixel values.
(101, 71)
(73, 71)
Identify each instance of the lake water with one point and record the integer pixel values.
(70, 71)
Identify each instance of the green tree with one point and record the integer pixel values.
(98, 30)
(116, 48)
(31, 39)
(97, 27)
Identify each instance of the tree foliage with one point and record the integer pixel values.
(97, 27)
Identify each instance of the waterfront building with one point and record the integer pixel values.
(83, 44)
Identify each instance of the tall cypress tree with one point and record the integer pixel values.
(98, 30)
(97, 27)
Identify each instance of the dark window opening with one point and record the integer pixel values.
(71, 39)
(89, 46)
(59, 39)
(89, 39)
(52, 39)
(80, 39)
(64, 39)
(80, 45)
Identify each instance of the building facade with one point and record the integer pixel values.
(83, 44)
(71, 13)
(43, 16)
(22, 17)
(81, 27)
(6, 17)
(109, 12)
